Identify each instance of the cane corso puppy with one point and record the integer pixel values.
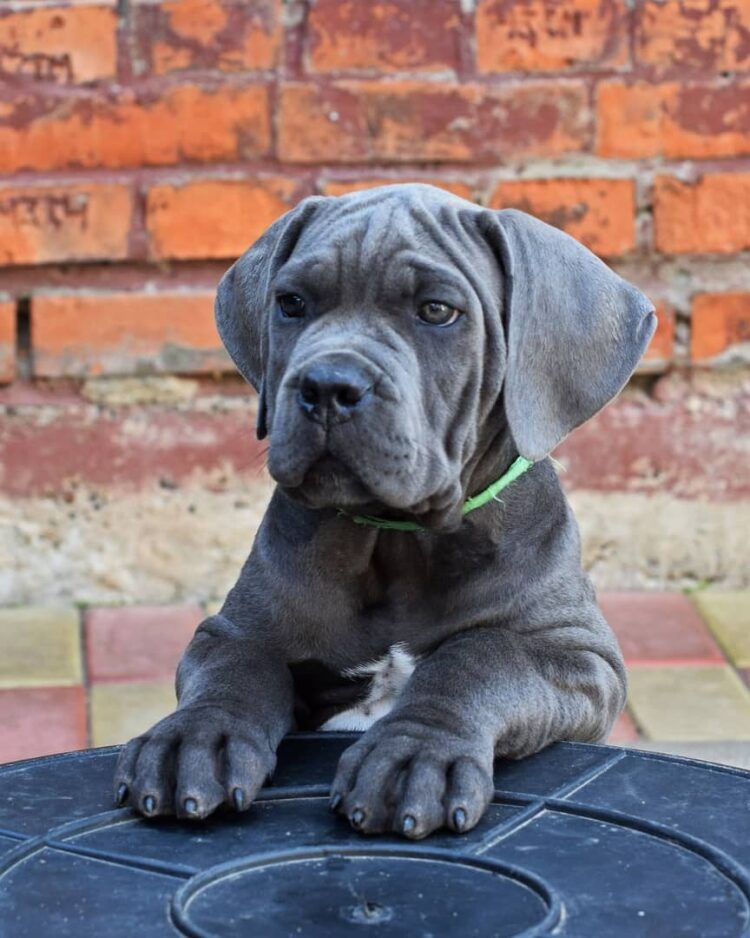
(417, 574)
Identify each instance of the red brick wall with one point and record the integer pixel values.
(144, 145)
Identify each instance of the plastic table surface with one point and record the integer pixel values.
(578, 841)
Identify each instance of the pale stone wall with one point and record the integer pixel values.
(170, 545)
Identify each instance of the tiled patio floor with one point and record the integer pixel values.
(71, 679)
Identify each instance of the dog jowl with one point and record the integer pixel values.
(417, 574)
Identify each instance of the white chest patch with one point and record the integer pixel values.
(389, 677)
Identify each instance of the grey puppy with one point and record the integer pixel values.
(408, 347)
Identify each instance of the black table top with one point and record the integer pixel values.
(578, 841)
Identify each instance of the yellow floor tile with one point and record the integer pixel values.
(40, 646)
(700, 702)
(121, 711)
(728, 617)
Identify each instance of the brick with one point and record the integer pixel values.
(703, 702)
(360, 121)
(719, 325)
(77, 222)
(624, 731)
(684, 443)
(538, 36)
(40, 721)
(674, 119)
(388, 36)
(728, 616)
(39, 646)
(705, 121)
(121, 711)
(629, 119)
(182, 123)
(138, 643)
(214, 218)
(228, 35)
(64, 44)
(344, 187)
(132, 447)
(701, 37)
(660, 351)
(83, 334)
(598, 212)
(659, 628)
(710, 215)
(7, 340)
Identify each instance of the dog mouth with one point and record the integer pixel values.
(329, 481)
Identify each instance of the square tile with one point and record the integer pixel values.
(138, 643)
(121, 711)
(692, 703)
(728, 617)
(37, 721)
(659, 628)
(39, 646)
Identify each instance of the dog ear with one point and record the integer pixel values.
(243, 301)
(574, 330)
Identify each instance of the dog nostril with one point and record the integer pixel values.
(309, 392)
(349, 395)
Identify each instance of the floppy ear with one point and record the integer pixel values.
(575, 331)
(242, 298)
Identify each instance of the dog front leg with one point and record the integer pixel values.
(235, 702)
(482, 693)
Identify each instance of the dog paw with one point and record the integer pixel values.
(412, 779)
(190, 763)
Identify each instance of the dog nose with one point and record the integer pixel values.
(330, 393)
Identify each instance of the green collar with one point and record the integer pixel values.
(517, 468)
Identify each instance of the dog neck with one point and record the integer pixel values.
(495, 454)
(498, 451)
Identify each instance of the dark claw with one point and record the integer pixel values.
(358, 816)
(149, 804)
(238, 797)
(190, 805)
(408, 824)
(459, 819)
(122, 794)
(335, 802)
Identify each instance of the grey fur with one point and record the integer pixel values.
(512, 651)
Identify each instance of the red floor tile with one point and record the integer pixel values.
(37, 721)
(659, 628)
(624, 731)
(139, 643)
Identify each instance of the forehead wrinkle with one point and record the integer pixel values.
(421, 264)
(382, 225)
(321, 270)
(444, 232)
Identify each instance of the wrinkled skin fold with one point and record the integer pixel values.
(371, 409)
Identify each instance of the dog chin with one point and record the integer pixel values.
(356, 499)
(328, 483)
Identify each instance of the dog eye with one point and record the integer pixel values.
(438, 314)
(291, 305)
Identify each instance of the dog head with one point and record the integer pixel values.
(392, 333)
